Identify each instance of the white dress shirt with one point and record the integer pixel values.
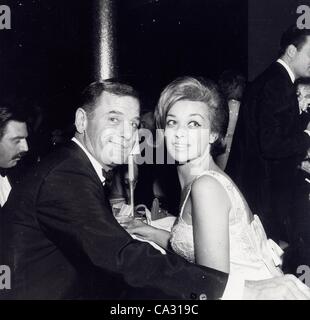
(5, 189)
(288, 69)
(97, 166)
(293, 78)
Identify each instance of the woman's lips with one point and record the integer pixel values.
(180, 145)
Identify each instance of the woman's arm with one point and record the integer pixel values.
(150, 233)
(210, 215)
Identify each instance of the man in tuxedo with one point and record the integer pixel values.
(61, 240)
(13, 145)
(270, 137)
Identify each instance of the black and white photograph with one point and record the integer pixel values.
(155, 150)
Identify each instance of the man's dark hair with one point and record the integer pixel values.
(294, 36)
(8, 113)
(93, 91)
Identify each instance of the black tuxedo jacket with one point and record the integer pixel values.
(298, 253)
(268, 144)
(61, 241)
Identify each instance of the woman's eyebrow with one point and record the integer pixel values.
(197, 114)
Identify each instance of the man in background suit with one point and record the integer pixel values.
(61, 240)
(271, 138)
(297, 254)
(13, 145)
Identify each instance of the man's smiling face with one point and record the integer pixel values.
(112, 128)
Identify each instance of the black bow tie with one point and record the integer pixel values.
(108, 176)
(3, 172)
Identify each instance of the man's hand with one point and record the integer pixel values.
(287, 287)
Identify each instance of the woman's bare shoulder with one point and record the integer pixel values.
(208, 187)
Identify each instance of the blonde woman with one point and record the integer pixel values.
(215, 227)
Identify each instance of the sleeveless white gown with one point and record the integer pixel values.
(252, 255)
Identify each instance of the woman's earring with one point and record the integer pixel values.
(212, 139)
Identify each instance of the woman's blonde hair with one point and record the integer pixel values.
(196, 89)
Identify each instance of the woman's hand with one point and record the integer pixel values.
(149, 233)
(141, 230)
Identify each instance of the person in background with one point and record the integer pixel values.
(303, 95)
(155, 180)
(272, 136)
(297, 255)
(232, 85)
(13, 146)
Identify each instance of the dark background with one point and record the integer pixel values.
(45, 57)
(48, 55)
(160, 40)
(267, 19)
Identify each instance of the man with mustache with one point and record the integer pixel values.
(13, 145)
(62, 241)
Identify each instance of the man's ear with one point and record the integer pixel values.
(80, 120)
(291, 51)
